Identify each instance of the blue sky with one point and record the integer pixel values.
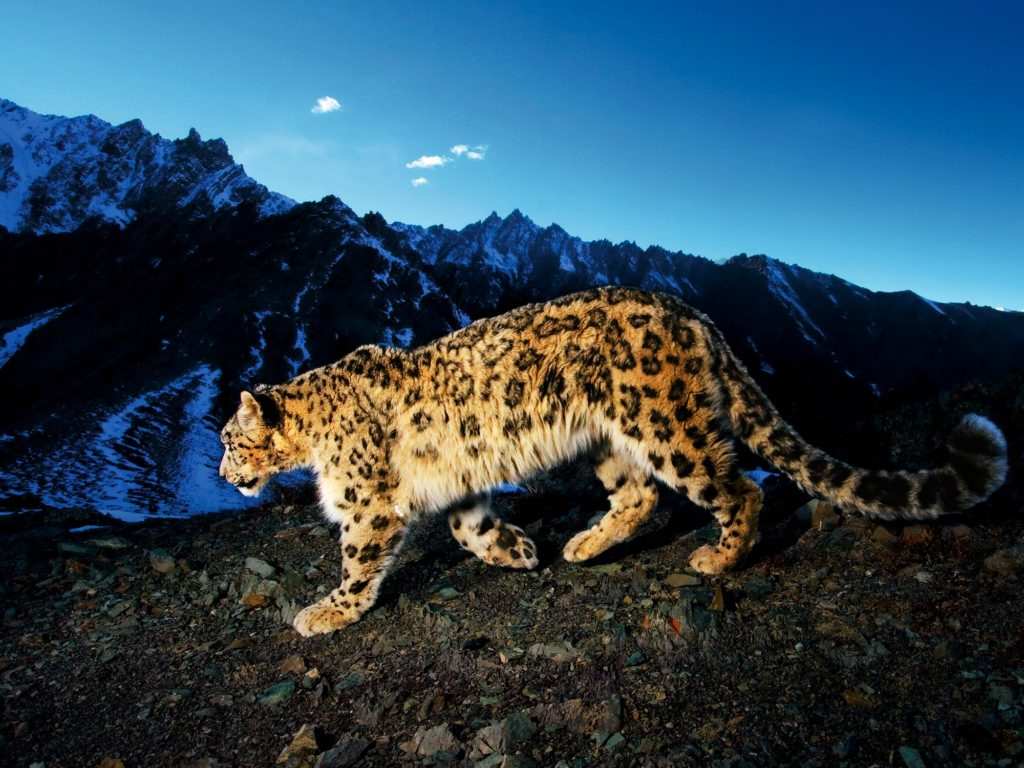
(886, 146)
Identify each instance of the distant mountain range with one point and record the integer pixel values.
(145, 281)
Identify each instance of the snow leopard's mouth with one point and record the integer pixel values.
(249, 487)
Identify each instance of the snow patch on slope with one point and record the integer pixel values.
(400, 338)
(200, 488)
(119, 473)
(933, 305)
(14, 340)
(780, 287)
(300, 355)
(258, 351)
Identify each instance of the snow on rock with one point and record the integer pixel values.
(258, 351)
(14, 340)
(933, 305)
(783, 291)
(300, 354)
(400, 338)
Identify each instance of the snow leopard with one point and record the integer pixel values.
(642, 381)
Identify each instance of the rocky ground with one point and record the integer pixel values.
(842, 643)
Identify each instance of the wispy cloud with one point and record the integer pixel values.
(325, 104)
(429, 161)
(478, 152)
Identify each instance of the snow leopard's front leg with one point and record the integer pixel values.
(370, 539)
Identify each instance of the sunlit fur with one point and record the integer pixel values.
(641, 380)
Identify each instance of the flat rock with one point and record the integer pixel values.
(503, 736)
(277, 694)
(1005, 562)
(161, 561)
(346, 752)
(254, 600)
(293, 665)
(260, 567)
(301, 752)
(110, 543)
(683, 580)
(427, 742)
(911, 757)
(560, 652)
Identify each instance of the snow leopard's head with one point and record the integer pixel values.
(255, 446)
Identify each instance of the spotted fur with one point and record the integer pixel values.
(641, 379)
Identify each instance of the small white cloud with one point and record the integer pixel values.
(420, 181)
(325, 104)
(429, 161)
(476, 154)
(460, 149)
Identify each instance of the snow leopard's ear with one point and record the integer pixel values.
(249, 416)
(258, 410)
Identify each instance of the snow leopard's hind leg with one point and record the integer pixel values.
(632, 496)
(709, 476)
(736, 507)
(493, 540)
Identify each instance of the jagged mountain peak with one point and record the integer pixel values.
(58, 172)
(758, 262)
(213, 151)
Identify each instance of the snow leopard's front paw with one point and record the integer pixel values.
(320, 619)
(585, 545)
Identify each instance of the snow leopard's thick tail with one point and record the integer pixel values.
(976, 466)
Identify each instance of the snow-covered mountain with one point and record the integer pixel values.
(515, 255)
(57, 172)
(124, 341)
